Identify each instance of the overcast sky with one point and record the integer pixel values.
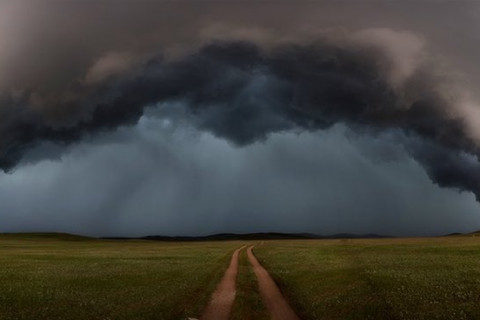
(131, 118)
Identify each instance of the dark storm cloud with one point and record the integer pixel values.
(242, 93)
(162, 177)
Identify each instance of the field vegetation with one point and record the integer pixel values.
(423, 278)
(55, 276)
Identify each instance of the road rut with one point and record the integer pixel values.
(221, 303)
(276, 304)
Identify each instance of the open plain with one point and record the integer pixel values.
(57, 276)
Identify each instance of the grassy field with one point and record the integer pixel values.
(68, 277)
(428, 278)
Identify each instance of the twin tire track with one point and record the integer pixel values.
(222, 300)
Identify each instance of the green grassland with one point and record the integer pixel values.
(54, 276)
(424, 278)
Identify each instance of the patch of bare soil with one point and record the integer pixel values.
(221, 304)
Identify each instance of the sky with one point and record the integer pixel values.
(133, 118)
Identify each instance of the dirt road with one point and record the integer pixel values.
(220, 305)
(271, 295)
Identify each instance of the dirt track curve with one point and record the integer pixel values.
(272, 297)
(221, 304)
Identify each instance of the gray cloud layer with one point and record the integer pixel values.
(256, 81)
(168, 178)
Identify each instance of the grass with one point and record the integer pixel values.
(54, 276)
(428, 278)
(248, 303)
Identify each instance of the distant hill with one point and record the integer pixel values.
(213, 237)
(471, 234)
(254, 236)
(45, 235)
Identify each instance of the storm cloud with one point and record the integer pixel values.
(169, 178)
(243, 83)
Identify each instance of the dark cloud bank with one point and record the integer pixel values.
(335, 131)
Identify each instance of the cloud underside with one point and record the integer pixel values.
(243, 93)
(164, 177)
